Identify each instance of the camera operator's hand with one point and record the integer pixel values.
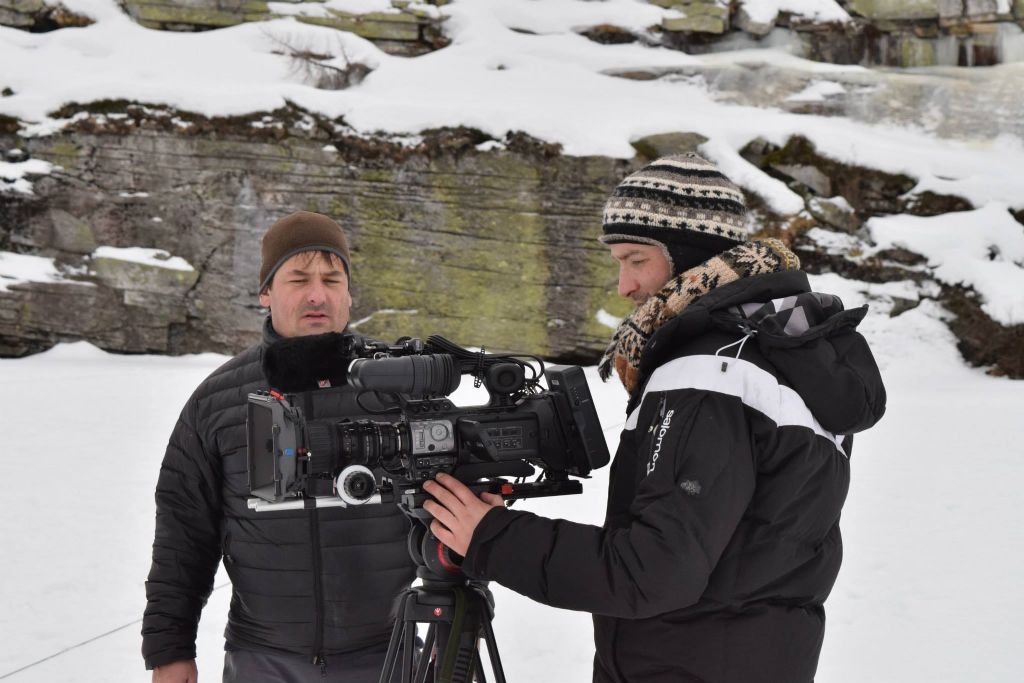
(456, 511)
(184, 671)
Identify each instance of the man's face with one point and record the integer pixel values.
(643, 270)
(308, 295)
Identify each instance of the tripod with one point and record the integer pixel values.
(458, 611)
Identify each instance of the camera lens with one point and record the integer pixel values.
(370, 442)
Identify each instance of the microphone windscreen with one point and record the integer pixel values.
(298, 364)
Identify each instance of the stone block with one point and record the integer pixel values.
(198, 13)
(14, 19)
(700, 23)
(20, 13)
(71, 234)
(132, 276)
(835, 212)
(916, 52)
(949, 9)
(895, 9)
(664, 144)
(809, 176)
(23, 6)
(977, 9)
(752, 26)
(701, 7)
(982, 27)
(373, 26)
(699, 17)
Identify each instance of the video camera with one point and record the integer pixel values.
(387, 451)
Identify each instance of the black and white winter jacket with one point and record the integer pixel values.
(318, 583)
(721, 540)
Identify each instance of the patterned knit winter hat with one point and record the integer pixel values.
(681, 203)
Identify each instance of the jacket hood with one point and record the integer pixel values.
(808, 337)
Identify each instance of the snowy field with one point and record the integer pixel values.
(929, 591)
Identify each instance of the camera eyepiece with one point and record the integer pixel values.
(436, 375)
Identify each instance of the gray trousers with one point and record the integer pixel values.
(244, 666)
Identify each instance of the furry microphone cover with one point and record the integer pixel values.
(304, 363)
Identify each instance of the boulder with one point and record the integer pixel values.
(699, 16)
(20, 13)
(137, 279)
(895, 9)
(836, 213)
(755, 25)
(656, 146)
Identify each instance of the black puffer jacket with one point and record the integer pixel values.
(721, 540)
(318, 582)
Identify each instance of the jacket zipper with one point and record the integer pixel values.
(318, 595)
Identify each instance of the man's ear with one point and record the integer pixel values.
(265, 298)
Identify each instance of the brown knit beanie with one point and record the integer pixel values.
(299, 232)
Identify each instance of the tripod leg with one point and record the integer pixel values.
(423, 669)
(392, 656)
(492, 650)
(410, 652)
(478, 668)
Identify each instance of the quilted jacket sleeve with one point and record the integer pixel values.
(186, 545)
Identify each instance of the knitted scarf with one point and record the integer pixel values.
(744, 260)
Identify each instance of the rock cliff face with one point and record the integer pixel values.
(494, 248)
(903, 33)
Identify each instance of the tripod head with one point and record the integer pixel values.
(438, 563)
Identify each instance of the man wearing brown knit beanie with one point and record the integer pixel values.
(721, 540)
(304, 278)
(312, 589)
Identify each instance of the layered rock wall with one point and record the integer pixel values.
(494, 248)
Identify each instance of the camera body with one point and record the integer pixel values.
(387, 453)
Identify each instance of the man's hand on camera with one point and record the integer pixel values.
(176, 672)
(456, 511)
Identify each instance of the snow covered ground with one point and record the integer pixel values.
(930, 588)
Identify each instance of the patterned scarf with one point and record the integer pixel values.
(744, 260)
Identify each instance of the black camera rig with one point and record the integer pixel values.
(387, 452)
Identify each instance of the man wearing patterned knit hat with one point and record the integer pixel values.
(312, 589)
(721, 540)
